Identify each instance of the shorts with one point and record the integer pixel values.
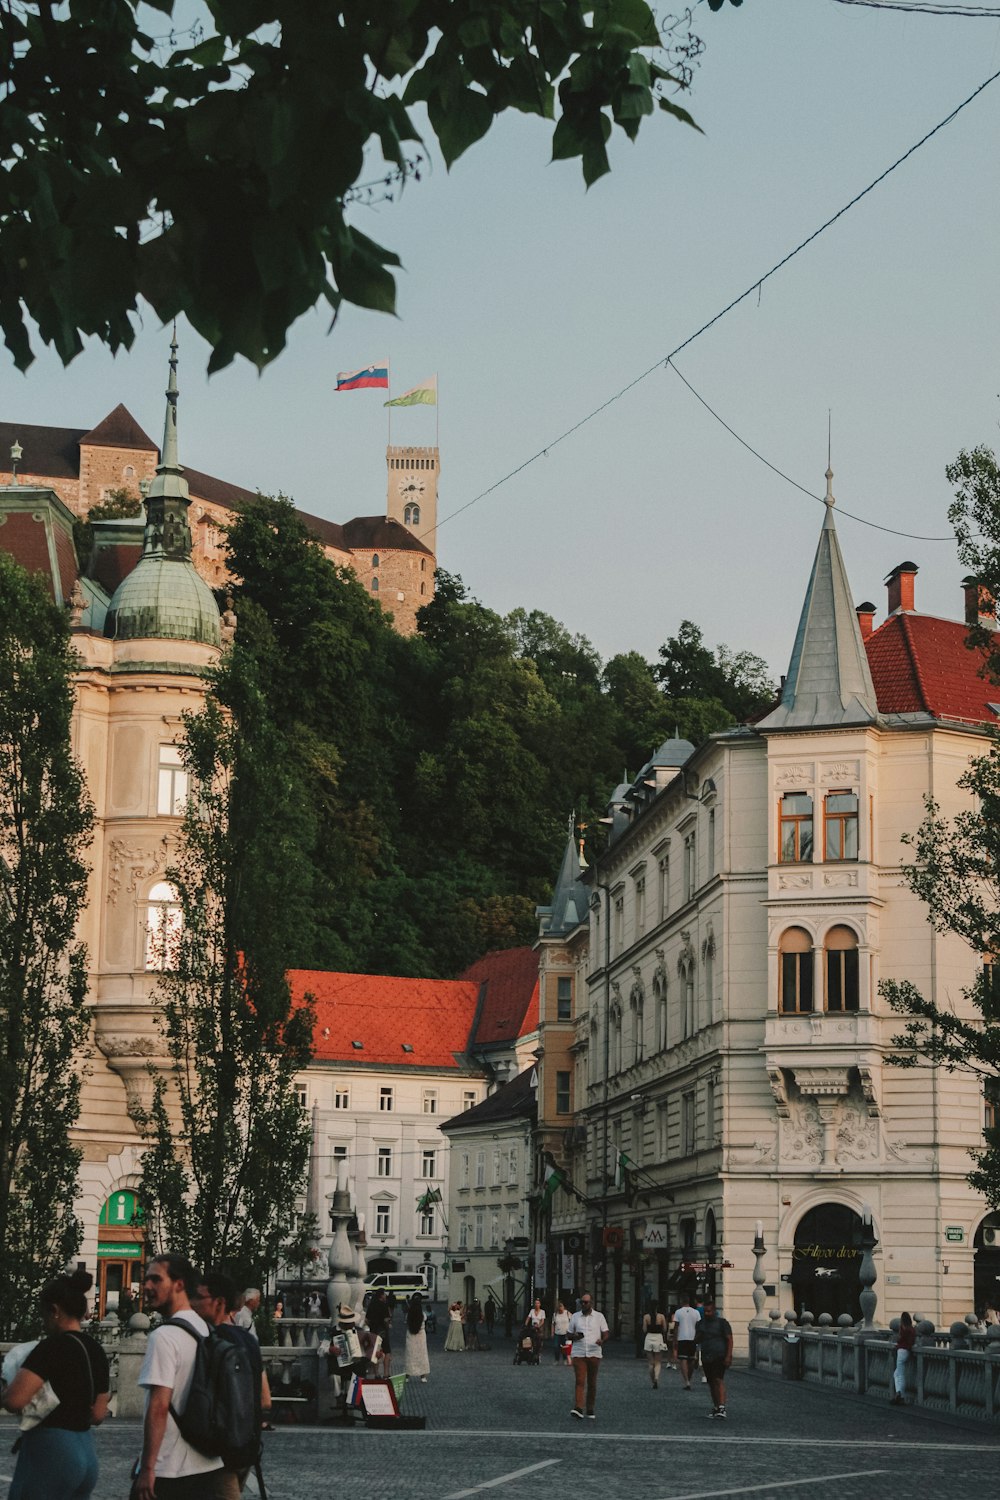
(687, 1349)
(715, 1369)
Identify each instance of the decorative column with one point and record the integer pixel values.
(867, 1275)
(759, 1295)
(338, 1258)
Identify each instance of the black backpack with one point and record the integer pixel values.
(221, 1417)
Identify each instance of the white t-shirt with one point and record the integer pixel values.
(686, 1320)
(169, 1361)
(560, 1323)
(591, 1325)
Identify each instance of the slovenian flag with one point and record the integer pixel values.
(371, 377)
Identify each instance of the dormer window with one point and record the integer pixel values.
(840, 821)
(795, 828)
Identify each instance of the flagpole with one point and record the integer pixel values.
(389, 408)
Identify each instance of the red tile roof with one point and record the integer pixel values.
(510, 996)
(119, 429)
(920, 663)
(432, 1016)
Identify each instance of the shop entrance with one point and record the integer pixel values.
(826, 1261)
(121, 1256)
(986, 1244)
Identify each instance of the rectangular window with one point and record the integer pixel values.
(428, 1162)
(480, 1169)
(688, 1123)
(430, 1102)
(664, 887)
(302, 1095)
(662, 1125)
(710, 1132)
(494, 1230)
(991, 990)
(842, 979)
(468, 1099)
(640, 904)
(562, 1093)
(463, 1233)
(339, 1154)
(661, 1020)
(426, 1222)
(619, 924)
(795, 828)
(383, 1218)
(512, 1165)
(384, 1168)
(690, 866)
(464, 1174)
(341, 1096)
(991, 1105)
(840, 814)
(564, 998)
(495, 1179)
(385, 1100)
(480, 1229)
(796, 983)
(172, 787)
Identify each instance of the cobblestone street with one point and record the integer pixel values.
(494, 1427)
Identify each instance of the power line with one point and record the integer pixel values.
(755, 286)
(910, 535)
(927, 8)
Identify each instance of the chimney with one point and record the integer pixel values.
(866, 619)
(979, 606)
(900, 586)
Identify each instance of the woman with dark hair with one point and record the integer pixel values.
(654, 1329)
(417, 1361)
(57, 1457)
(904, 1347)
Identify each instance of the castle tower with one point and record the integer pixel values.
(412, 490)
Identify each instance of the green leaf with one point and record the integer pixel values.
(461, 124)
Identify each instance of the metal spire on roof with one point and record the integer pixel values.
(168, 454)
(828, 681)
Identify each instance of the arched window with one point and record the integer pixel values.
(638, 999)
(842, 985)
(795, 827)
(164, 924)
(411, 515)
(660, 1002)
(685, 972)
(374, 559)
(795, 979)
(374, 585)
(129, 472)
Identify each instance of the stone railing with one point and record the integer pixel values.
(957, 1372)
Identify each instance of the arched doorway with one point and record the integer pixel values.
(382, 1263)
(826, 1260)
(986, 1272)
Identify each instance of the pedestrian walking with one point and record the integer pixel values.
(654, 1328)
(588, 1331)
(454, 1342)
(246, 1310)
(471, 1326)
(490, 1314)
(904, 1349)
(166, 1374)
(56, 1457)
(536, 1321)
(215, 1301)
(379, 1325)
(560, 1331)
(685, 1323)
(714, 1338)
(417, 1363)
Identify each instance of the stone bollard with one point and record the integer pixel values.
(825, 1320)
(959, 1335)
(925, 1332)
(807, 1318)
(846, 1325)
(130, 1401)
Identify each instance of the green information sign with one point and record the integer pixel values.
(120, 1252)
(954, 1234)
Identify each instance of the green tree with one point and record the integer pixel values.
(216, 178)
(117, 503)
(229, 1141)
(732, 685)
(45, 827)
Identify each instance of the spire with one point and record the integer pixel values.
(569, 899)
(167, 531)
(828, 681)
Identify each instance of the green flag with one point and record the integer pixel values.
(553, 1179)
(424, 394)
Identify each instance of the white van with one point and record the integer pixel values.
(400, 1283)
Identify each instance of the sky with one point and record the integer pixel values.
(536, 301)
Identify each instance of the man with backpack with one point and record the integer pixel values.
(170, 1466)
(215, 1300)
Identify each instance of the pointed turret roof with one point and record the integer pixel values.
(828, 681)
(119, 429)
(569, 899)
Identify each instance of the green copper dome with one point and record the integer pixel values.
(163, 597)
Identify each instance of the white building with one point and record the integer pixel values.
(733, 1047)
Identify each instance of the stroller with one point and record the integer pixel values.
(526, 1351)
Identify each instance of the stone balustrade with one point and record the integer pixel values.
(957, 1372)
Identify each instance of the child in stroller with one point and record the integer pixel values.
(528, 1348)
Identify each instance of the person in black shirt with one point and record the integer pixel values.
(714, 1337)
(57, 1458)
(215, 1301)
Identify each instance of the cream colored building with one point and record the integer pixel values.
(732, 1047)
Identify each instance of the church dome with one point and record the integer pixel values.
(166, 598)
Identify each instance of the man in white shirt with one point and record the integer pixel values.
(685, 1321)
(169, 1468)
(243, 1317)
(588, 1331)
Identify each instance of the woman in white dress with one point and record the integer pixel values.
(455, 1340)
(417, 1363)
